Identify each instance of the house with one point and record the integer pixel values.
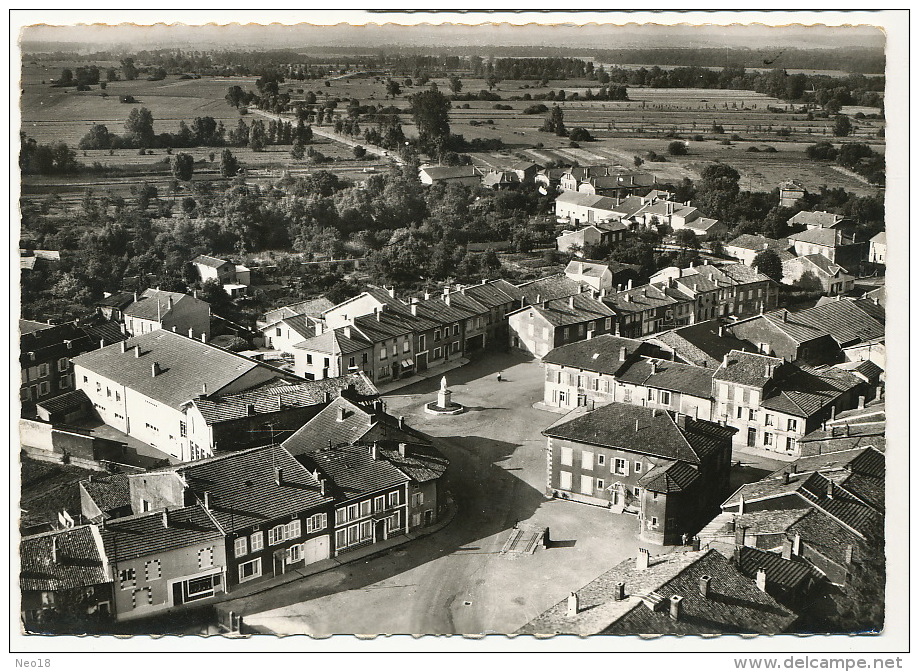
(717, 291)
(746, 246)
(549, 179)
(647, 309)
(105, 496)
(780, 334)
(333, 352)
(65, 581)
(790, 192)
(212, 268)
(577, 208)
(667, 467)
(163, 559)
(156, 309)
(605, 180)
(702, 344)
(678, 216)
(584, 373)
(877, 248)
(681, 593)
(367, 455)
(659, 383)
(501, 179)
(773, 403)
(465, 175)
(313, 308)
(142, 387)
(539, 328)
(273, 514)
(526, 171)
(551, 287)
(112, 306)
(821, 220)
(590, 274)
(832, 243)
(599, 234)
(283, 334)
(790, 580)
(856, 428)
(833, 278)
(439, 330)
(499, 298)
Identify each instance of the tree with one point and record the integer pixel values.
(769, 263)
(718, 190)
(430, 111)
(392, 88)
(456, 84)
(580, 134)
(183, 166)
(555, 122)
(842, 127)
(687, 239)
(822, 151)
(229, 166)
(128, 69)
(235, 96)
(98, 137)
(297, 151)
(139, 127)
(677, 148)
(359, 152)
(491, 81)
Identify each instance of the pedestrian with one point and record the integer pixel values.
(499, 376)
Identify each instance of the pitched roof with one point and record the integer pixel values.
(109, 492)
(591, 269)
(311, 307)
(824, 237)
(747, 368)
(803, 391)
(80, 562)
(826, 536)
(302, 325)
(353, 471)
(336, 342)
(819, 264)
(29, 326)
(734, 603)
(145, 534)
(451, 172)
(574, 309)
(702, 344)
(549, 288)
(658, 433)
(491, 294)
(787, 574)
(185, 363)
(669, 476)
(422, 462)
(117, 300)
(663, 374)
(600, 354)
(153, 304)
(880, 238)
(213, 262)
(69, 401)
(343, 423)
(757, 243)
(816, 218)
(645, 297)
(243, 490)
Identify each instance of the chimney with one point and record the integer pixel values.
(278, 475)
(850, 552)
(720, 330)
(447, 299)
(830, 487)
(203, 337)
(732, 525)
(124, 347)
(629, 285)
(619, 591)
(341, 414)
(796, 544)
(403, 449)
(696, 543)
(643, 560)
(375, 450)
(135, 297)
(250, 409)
(740, 536)
(740, 508)
(681, 420)
(137, 351)
(165, 517)
(322, 487)
(207, 500)
(761, 579)
(319, 328)
(414, 309)
(653, 367)
(724, 362)
(675, 607)
(169, 303)
(705, 583)
(191, 332)
(861, 401)
(175, 329)
(787, 549)
(392, 291)
(204, 389)
(446, 290)
(155, 369)
(623, 353)
(427, 295)
(636, 424)
(539, 298)
(786, 478)
(101, 343)
(54, 549)
(347, 331)
(784, 316)
(571, 301)
(573, 605)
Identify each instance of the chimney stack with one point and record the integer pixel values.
(861, 401)
(403, 449)
(629, 285)
(740, 536)
(573, 605)
(204, 389)
(191, 332)
(705, 583)
(623, 353)
(250, 409)
(155, 369)
(54, 549)
(124, 347)
(392, 291)
(796, 544)
(165, 517)
(675, 607)
(203, 337)
(850, 553)
(761, 579)
(619, 591)
(169, 303)
(653, 367)
(341, 414)
(643, 560)
(571, 301)
(135, 297)
(401, 422)
(137, 351)
(375, 450)
(278, 475)
(322, 487)
(830, 487)
(741, 505)
(318, 327)
(720, 330)
(414, 308)
(784, 316)
(786, 478)
(786, 549)
(447, 298)
(207, 500)
(724, 362)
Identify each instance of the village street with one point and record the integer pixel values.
(456, 580)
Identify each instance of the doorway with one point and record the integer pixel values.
(751, 437)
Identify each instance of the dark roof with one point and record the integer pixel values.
(243, 490)
(803, 391)
(153, 304)
(822, 264)
(669, 477)
(186, 365)
(645, 297)
(666, 375)
(49, 342)
(213, 262)
(28, 326)
(107, 332)
(845, 320)
(276, 397)
(747, 368)
(827, 536)
(816, 218)
(353, 471)
(80, 560)
(787, 574)
(421, 463)
(549, 288)
(867, 461)
(110, 492)
(824, 237)
(311, 307)
(119, 300)
(600, 354)
(574, 309)
(145, 534)
(69, 401)
(490, 294)
(658, 434)
(734, 603)
(702, 344)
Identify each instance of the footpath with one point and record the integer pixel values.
(432, 372)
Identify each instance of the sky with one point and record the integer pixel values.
(372, 34)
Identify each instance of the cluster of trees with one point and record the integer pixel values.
(855, 156)
(542, 69)
(38, 159)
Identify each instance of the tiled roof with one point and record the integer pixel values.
(549, 288)
(81, 561)
(69, 401)
(757, 523)
(145, 534)
(435, 310)
(336, 342)
(49, 342)
(788, 574)
(273, 398)
(110, 492)
(117, 300)
(703, 223)
(658, 433)
(421, 463)
(500, 177)
(666, 375)
(824, 237)
(747, 368)
(450, 172)
(585, 200)
(213, 262)
(734, 603)
(574, 309)
(816, 218)
(644, 298)
(107, 332)
(586, 268)
(804, 391)
(382, 326)
(153, 304)
(489, 294)
(880, 238)
(185, 363)
(669, 477)
(243, 490)
(746, 241)
(353, 471)
(822, 265)
(303, 326)
(788, 324)
(312, 307)
(867, 461)
(702, 344)
(872, 308)
(600, 354)
(30, 326)
(826, 536)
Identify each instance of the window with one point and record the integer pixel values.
(294, 554)
(128, 578)
(565, 333)
(383, 354)
(580, 381)
(351, 363)
(85, 379)
(341, 539)
(24, 394)
(740, 411)
(64, 382)
(198, 589)
(792, 425)
(316, 523)
(152, 570)
(621, 467)
(600, 484)
(277, 331)
(436, 335)
(325, 362)
(276, 535)
(587, 485)
(352, 512)
(456, 329)
(587, 460)
(365, 508)
(608, 323)
(364, 358)
(394, 498)
(752, 414)
(44, 388)
(768, 419)
(767, 439)
(566, 456)
(421, 342)
(627, 395)
(601, 459)
(436, 353)
(637, 466)
(395, 347)
(44, 370)
(564, 480)
(417, 499)
(636, 491)
(309, 358)
(206, 557)
(365, 530)
(183, 428)
(250, 570)
(654, 520)
(384, 371)
(293, 529)
(379, 503)
(790, 444)
(664, 397)
(62, 364)
(240, 547)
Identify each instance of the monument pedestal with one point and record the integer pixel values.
(444, 404)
